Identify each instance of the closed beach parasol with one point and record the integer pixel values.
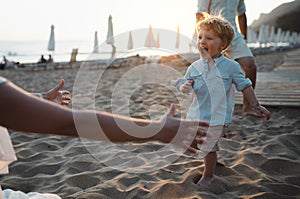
(150, 42)
(130, 42)
(51, 44)
(263, 34)
(110, 32)
(110, 36)
(272, 34)
(96, 49)
(157, 41)
(251, 36)
(279, 37)
(177, 38)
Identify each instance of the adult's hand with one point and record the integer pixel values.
(58, 96)
(182, 132)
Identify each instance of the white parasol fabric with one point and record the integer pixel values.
(263, 34)
(130, 42)
(279, 36)
(51, 43)
(110, 32)
(96, 48)
(150, 42)
(177, 38)
(272, 34)
(157, 41)
(251, 36)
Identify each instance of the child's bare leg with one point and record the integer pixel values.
(210, 162)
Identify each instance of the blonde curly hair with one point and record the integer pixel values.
(221, 27)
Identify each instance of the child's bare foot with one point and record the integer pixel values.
(205, 181)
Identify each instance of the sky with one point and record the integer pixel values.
(77, 20)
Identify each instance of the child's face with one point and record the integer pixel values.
(208, 40)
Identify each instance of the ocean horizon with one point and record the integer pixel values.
(31, 51)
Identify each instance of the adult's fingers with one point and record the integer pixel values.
(65, 92)
(172, 110)
(60, 85)
(194, 123)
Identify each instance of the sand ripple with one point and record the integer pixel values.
(258, 159)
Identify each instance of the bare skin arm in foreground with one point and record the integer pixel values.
(25, 112)
(56, 94)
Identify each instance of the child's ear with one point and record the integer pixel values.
(224, 45)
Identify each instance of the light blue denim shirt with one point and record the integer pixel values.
(214, 93)
(229, 9)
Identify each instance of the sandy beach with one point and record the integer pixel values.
(258, 159)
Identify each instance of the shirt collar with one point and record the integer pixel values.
(219, 59)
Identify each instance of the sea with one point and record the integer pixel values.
(31, 51)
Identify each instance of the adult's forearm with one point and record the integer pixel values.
(242, 20)
(250, 96)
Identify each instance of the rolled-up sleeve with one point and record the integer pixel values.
(239, 79)
(241, 8)
(181, 81)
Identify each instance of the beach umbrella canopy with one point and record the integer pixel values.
(279, 35)
(287, 36)
(150, 42)
(157, 41)
(51, 43)
(177, 38)
(272, 34)
(130, 42)
(251, 36)
(96, 48)
(263, 34)
(294, 38)
(110, 32)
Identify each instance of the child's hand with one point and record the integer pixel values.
(186, 87)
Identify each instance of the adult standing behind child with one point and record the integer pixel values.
(238, 49)
(211, 79)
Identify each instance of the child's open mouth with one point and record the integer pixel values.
(203, 48)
